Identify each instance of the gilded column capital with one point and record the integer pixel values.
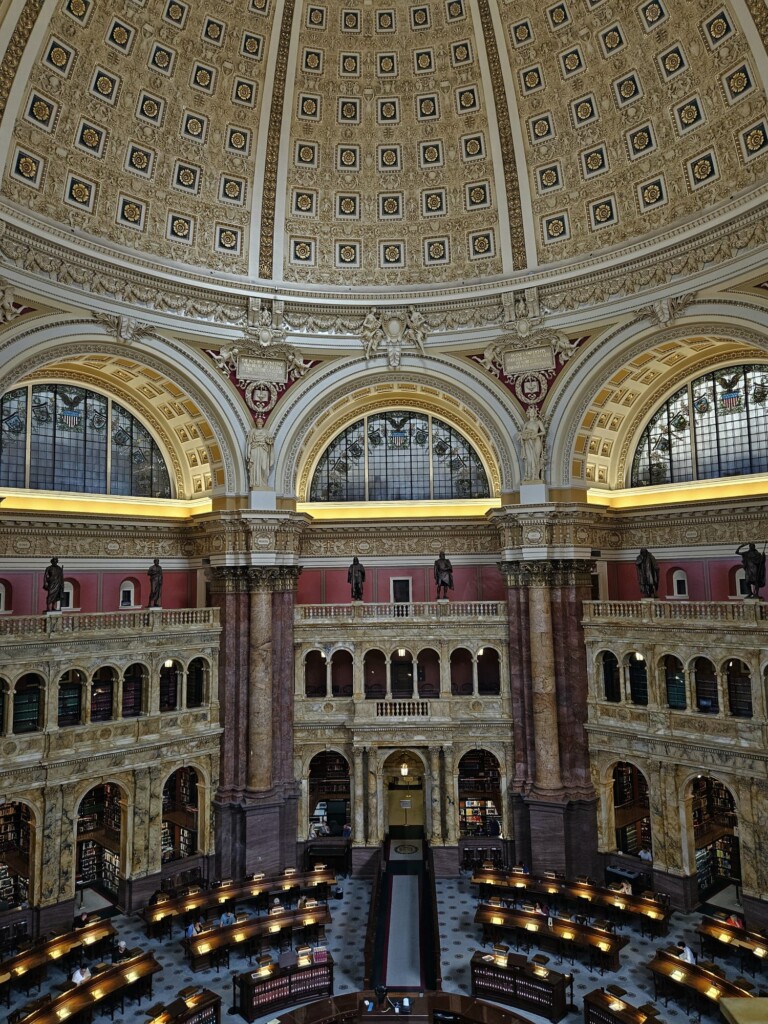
(229, 579)
(547, 572)
(273, 578)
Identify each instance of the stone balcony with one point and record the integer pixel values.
(354, 713)
(64, 625)
(394, 612)
(737, 613)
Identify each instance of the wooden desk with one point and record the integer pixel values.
(192, 1006)
(654, 913)
(562, 934)
(203, 947)
(716, 937)
(268, 988)
(111, 984)
(600, 1007)
(158, 916)
(696, 983)
(27, 970)
(334, 850)
(522, 984)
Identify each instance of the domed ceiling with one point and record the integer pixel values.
(399, 143)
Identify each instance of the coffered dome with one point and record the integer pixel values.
(380, 143)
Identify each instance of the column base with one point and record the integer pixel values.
(563, 836)
(755, 913)
(683, 890)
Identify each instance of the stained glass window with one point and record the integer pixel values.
(399, 456)
(716, 426)
(59, 437)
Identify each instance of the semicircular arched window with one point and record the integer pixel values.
(399, 456)
(57, 437)
(717, 425)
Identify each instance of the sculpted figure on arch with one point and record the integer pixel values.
(753, 562)
(647, 573)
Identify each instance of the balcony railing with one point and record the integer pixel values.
(402, 709)
(418, 611)
(143, 620)
(677, 611)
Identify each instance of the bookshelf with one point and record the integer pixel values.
(199, 1006)
(714, 829)
(479, 795)
(179, 826)
(15, 826)
(101, 700)
(69, 704)
(329, 781)
(133, 681)
(26, 708)
(98, 838)
(256, 993)
(520, 984)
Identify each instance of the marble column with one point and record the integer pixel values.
(259, 770)
(436, 830)
(372, 835)
(451, 790)
(358, 818)
(545, 730)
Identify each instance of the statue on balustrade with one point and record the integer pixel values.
(753, 562)
(647, 573)
(443, 575)
(356, 578)
(53, 584)
(155, 573)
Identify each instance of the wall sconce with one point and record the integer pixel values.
(639, 656)
(403, 769)
(401, 652)
(480, 652)
(168, 663)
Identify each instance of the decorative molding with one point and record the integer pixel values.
(275, 579)
(15, 49)
(554, 572)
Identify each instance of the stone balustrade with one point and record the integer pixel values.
(699, 612)
(140, 620)
(418, 611)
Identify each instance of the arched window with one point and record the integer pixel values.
(401, 674)
(342, 671)
(71, 698)
(705, 680)
(461, 672)
(169, 685)
(315, 674)
(196, 683)
(27, 704)
(102, 693)
(488, 672)
(58, 437)
(611, 677)
(739, 683)
(637, 670)
(714, 426)
(399, 456)
(127, 594)
(428, 673)
(68, 598)
(679, 583)
(674, 678)
(133, 690)
(374, 675)
(741, 587)
(5, 597)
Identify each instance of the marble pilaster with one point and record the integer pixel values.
(358, 817)
(436, 825)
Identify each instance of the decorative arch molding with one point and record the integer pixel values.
(336, 397)
(580, 401)
(33, 354)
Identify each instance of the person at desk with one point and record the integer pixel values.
(80, 975)
(81, 920)
(120, 952)
(347, 830)
(685, 953)
(194, 928)
(227, 918)
(645, 854)
(735, 920)
(625, 887)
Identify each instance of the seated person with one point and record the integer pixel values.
(227, 918)
(81, 974)
(734, 919)
(194, 928)
(347, 830)
(120, 952)
(625, 887)
(645, 854)
(686, 953)
(81, 920)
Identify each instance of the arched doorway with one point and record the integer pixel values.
(631, 810)
(480, 795)
(715, 836)
(99, 834)
(180, 815)
(16, 854)
(403, 774)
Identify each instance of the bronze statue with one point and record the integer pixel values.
(53, 584)
(155, 574)
(356, 577)
(753, 562)
(647, 573)
(443, 575)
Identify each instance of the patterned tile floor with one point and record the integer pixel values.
(459, 936)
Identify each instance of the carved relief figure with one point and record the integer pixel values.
(415, 328)
(371, 333)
